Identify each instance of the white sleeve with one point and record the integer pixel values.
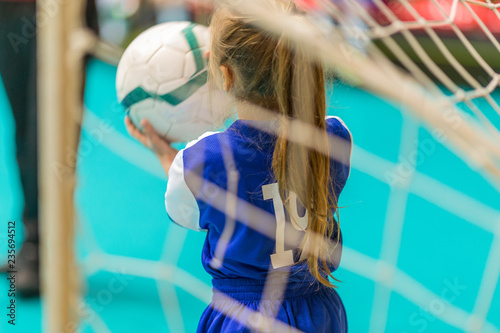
(180, 202)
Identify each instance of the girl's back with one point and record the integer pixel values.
(251, 240)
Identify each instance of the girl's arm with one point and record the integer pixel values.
(160, 146)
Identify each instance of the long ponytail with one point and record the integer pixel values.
(297, 168)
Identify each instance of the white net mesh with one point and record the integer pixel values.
(446, 82)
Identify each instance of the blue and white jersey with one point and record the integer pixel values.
(223, 184)
(226, 179)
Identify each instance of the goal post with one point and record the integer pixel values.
(60, 69)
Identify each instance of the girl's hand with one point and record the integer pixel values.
(159, 145)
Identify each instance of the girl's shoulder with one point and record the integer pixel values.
(207, 136)
(336, 126)
(206, 148)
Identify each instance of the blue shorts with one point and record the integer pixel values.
(238, 305)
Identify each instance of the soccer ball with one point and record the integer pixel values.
(162, 76)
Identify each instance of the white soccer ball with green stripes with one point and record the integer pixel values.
(162, 76)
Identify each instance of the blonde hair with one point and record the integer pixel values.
(275, 75)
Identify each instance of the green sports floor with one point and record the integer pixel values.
(141, 273)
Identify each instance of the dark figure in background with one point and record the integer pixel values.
(19, 75)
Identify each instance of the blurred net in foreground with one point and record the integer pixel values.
(447, 55)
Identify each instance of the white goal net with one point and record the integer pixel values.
(436, 64)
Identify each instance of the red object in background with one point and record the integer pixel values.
(463, 17)
(307, 4)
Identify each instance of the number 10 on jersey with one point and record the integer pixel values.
(282, 257)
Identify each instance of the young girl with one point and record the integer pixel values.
(266, 189)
